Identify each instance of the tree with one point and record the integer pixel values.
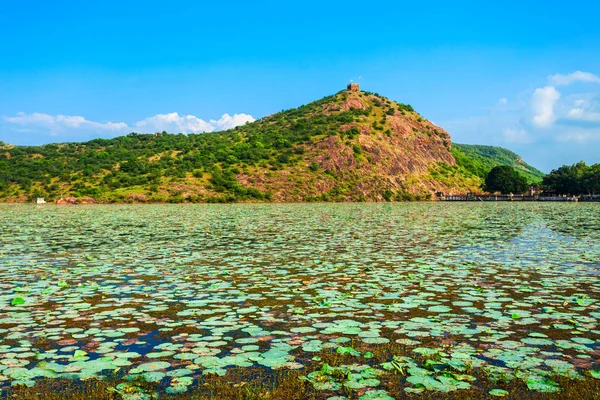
(574, 179)
(593, 179)
(505, 179)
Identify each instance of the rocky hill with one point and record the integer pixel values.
(351, 146)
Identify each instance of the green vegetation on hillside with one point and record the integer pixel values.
(351, 146)
(106, 166)
(479, 160)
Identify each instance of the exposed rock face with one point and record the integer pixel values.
(66, 200)
(86, 200)
(74, 200)
(137, 197)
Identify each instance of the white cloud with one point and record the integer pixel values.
(503, 100)
(519, 136)
(58, 123)
(564, 124)
(542, 104)
(231, 121)
(577, 76)
(173, 122)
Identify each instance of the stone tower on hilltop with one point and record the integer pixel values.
(354, 87)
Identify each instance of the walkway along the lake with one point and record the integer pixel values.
(518, 197)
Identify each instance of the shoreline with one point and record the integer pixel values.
(292, 202)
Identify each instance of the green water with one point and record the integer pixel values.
(170, 292)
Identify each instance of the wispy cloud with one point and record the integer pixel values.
(577, 76)
(519, 136)
(58, 123)
(579, 136)
(579, 114)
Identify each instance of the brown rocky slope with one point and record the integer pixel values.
(394, 153)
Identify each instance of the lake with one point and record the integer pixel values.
(171, 293)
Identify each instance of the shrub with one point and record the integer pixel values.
(387, 195)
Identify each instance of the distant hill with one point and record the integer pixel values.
(481, 159)
(351, 146)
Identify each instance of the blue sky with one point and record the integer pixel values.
(522, 76)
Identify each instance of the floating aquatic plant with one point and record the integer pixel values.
(168, 294)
